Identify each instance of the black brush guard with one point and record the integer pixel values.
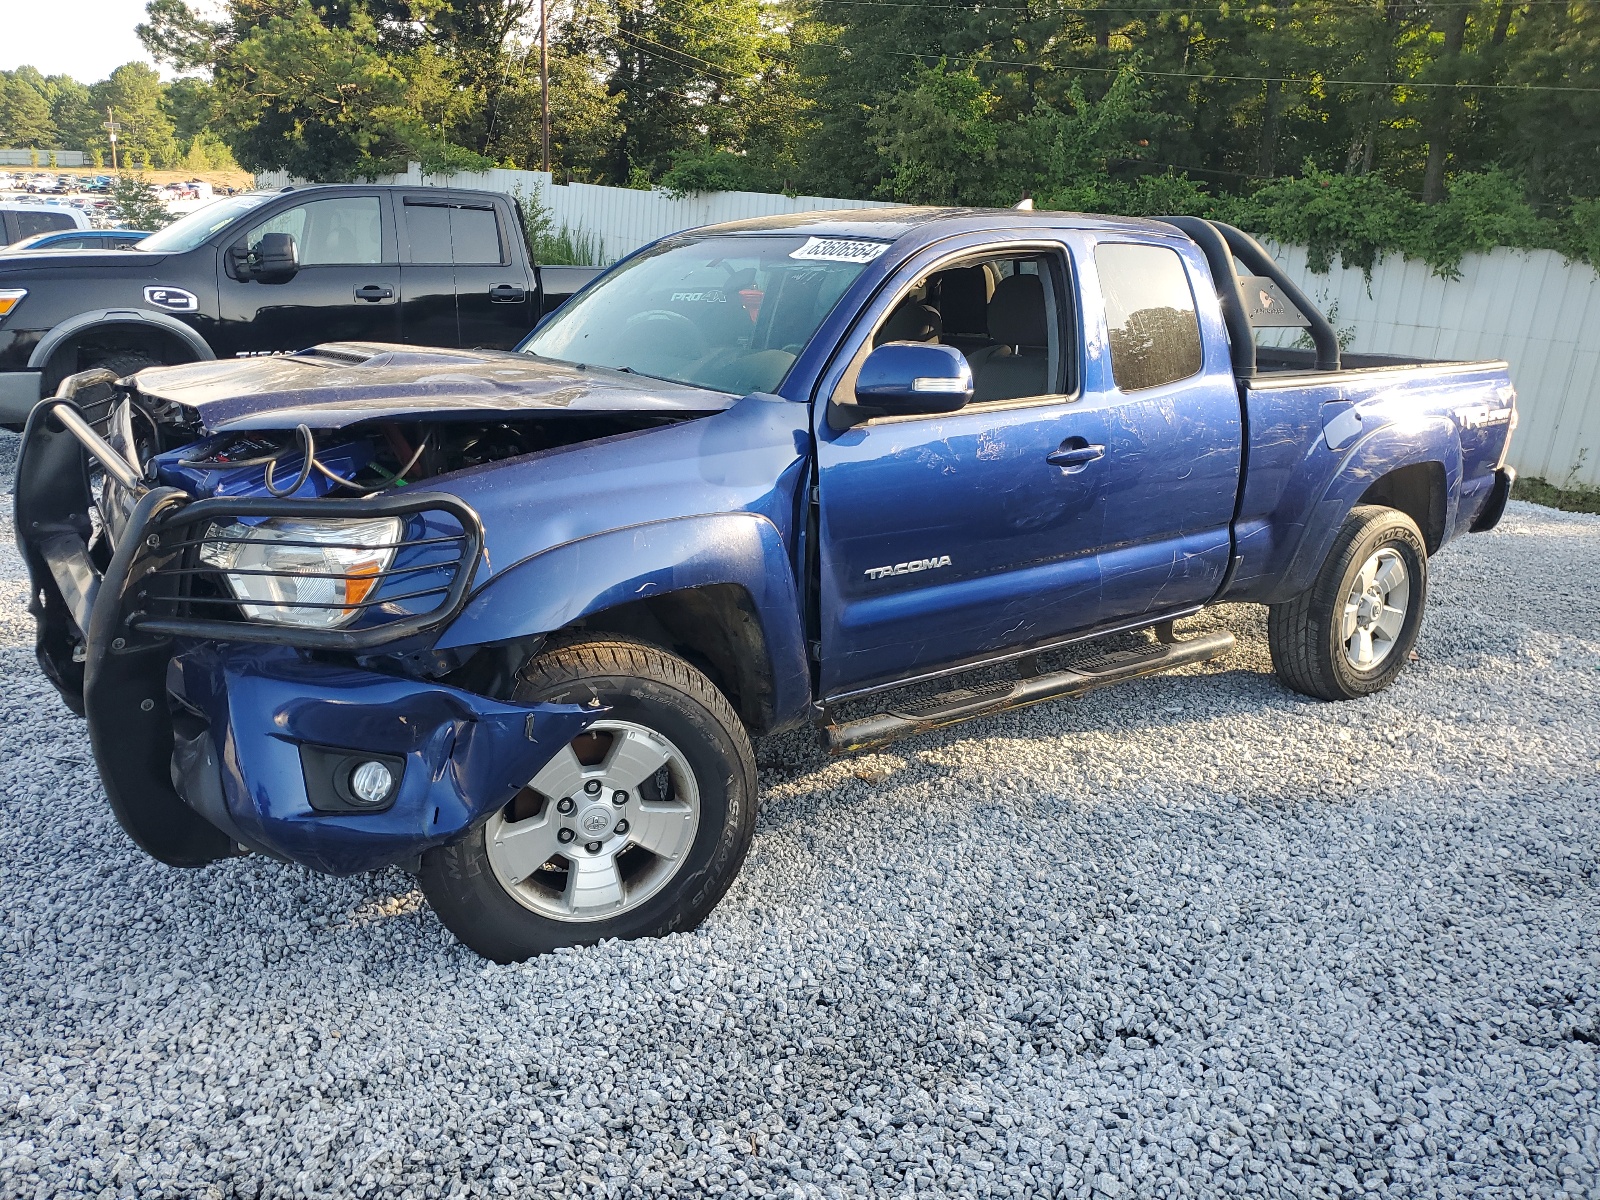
(141, 565)
(104, 638)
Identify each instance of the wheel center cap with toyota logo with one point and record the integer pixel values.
(596, 821)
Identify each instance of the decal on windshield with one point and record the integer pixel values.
(819, 249)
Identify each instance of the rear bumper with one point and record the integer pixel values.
(1495, 506)
(205, 745)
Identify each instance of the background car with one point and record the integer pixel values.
(20, 219)
(80, 239)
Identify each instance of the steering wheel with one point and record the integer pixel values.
(667, 332)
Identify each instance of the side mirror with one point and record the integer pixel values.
(903, 378)
(276, 258)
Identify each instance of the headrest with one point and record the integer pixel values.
(964, 299)
(912, 321)
(1016, 313)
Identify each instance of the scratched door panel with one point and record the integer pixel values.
(947, 538)
(1174, 442)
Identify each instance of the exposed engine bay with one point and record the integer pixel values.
(363, 460)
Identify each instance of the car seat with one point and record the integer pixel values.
(1019, 365)
(911, 321)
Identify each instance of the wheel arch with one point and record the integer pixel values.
(715, 589)
(122, 328)
(1415, 469)
(1419, 490)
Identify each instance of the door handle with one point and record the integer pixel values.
(1075, 454)
(374, 293)
(507, 293)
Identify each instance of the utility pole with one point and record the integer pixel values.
(111, 126)
(544, 84)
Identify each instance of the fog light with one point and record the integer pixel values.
(370, 782)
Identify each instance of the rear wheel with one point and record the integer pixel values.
(1351, 632)
(635, 829)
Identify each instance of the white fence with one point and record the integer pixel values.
(41, 158)
(1533, 308)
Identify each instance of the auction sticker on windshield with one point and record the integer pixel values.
(819, 249)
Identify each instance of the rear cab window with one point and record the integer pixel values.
(1151, 322)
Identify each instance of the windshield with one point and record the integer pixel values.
(186, 233)
(726, 313)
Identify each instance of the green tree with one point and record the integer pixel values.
(133, 93)
(939, 140)
(320, 103)
(73, 113)
(135, 204)
(24, 112)
(192, 106)
(690, 76)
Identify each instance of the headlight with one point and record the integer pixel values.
(309, 573)
(9, 299)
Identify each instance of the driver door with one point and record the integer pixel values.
(345, 290)
(949, 538)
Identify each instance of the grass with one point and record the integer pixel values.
(1583, 498)
(568, 247)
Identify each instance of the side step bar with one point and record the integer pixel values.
(962, 704)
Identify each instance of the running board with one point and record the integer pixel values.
(963, 704)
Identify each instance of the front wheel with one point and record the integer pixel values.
(634, 829)
(1351, 632)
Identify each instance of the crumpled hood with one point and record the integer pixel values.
(342, 383)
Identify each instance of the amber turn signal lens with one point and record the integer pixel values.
(358, 584)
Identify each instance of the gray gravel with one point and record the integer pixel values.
(1195, 936)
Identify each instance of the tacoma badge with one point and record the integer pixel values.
(908, 568)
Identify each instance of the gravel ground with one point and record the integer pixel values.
(1188, 937)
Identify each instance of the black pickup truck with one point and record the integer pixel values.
(269, 272)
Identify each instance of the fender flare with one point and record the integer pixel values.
(56, 337)
(1381, 453)
(550, 589)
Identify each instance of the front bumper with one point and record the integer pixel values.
(244, 714)
(207, 742)
(19, 392)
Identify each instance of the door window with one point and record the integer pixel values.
(474, 236)
(1002, 311)
(441, 232)
(346, 231)
(1150, 315)
(30, 223)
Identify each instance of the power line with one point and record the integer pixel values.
(1204, 77)
(1046, 9)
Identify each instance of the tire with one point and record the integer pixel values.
(1316, 638)
(125, 363)
(688, 824)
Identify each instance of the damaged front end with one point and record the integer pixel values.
(233, 652)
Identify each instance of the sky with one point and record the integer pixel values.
(86, 39)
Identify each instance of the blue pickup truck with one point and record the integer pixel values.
(512, 619)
